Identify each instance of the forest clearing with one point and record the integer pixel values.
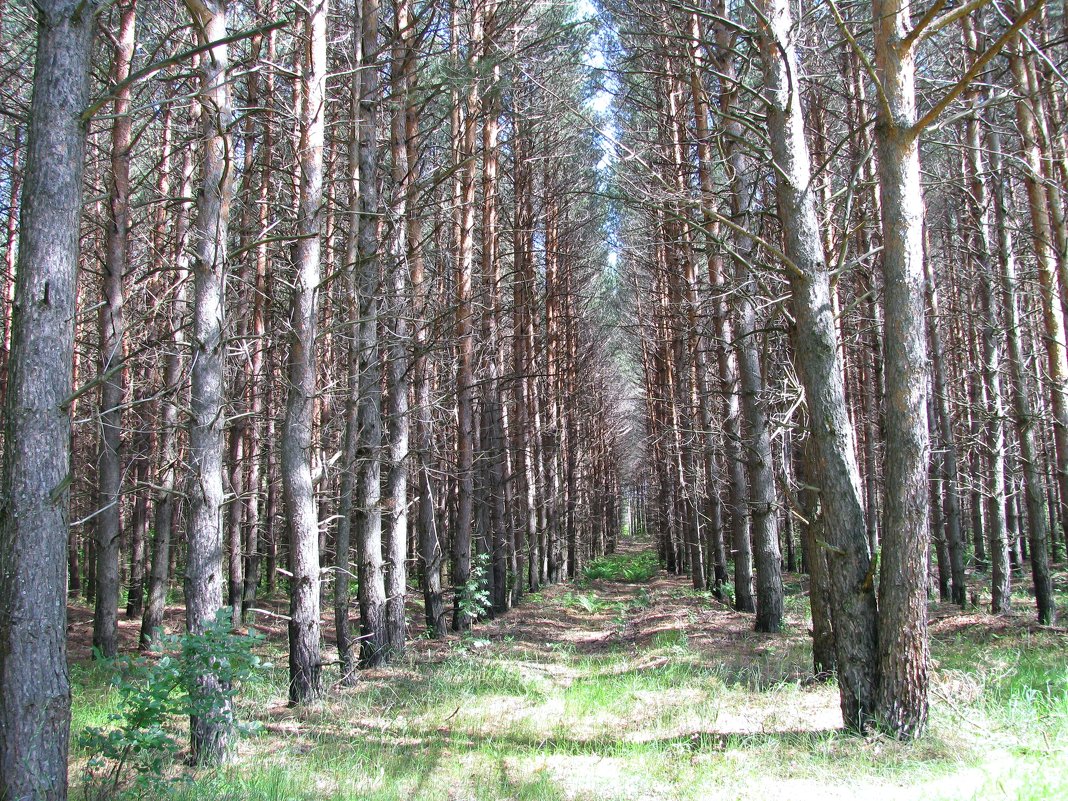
(631, 686)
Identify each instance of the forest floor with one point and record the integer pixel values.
(609, 688)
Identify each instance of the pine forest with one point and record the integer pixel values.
(586, 400)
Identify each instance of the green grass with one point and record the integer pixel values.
(665, 716)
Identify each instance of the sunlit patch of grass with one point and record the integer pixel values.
(663, 713)
(673, 638)
(93, 700)
(587, 602)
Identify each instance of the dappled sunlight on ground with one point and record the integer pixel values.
(602, 689)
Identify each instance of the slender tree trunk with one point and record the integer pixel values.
(305, 661)
(108, 522)
(135, 601)
(1052, 310)
(159, 574)
(11, 245)
(1034, 495)
(994, 429)
(399, 343)
(349, 468)
(951, 481)
(430, 550)
(372, 588)
(763, 521)
(737, 497)
(464, 144)
(258, 391)
(210, 735)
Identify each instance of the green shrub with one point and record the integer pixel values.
(154, 694)
(629, 567)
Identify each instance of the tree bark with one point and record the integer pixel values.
(305, 661)
(34, 683)
(464, 145)
(399, 340)
(210, 737)
(902, 642)
(831, 456)
(372, 589)
(108, 522)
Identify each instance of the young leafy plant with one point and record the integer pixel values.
(155, 694)
(474, 593)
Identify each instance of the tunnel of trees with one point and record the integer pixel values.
(371, 300)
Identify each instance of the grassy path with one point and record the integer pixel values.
(632, 686)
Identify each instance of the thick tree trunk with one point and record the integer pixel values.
(34, 684)
(813, 534)
(902, 642)
(830, 461)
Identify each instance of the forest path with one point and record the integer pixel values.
(624, 685)
(630, 685)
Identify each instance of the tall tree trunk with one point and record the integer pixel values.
(349, 468)
(210, 735)
(108, 522)
(1052, 310)
(430, 550)
(260, 377)
(763, 521)
(34, 684)
(1034, 494)
(830, 461)
(372, 588)
(464, 146)
(737, 495)
(950, 483)
(305, 661)
(902, 641)
(166, 480)
(993, 428)
(399, 344)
